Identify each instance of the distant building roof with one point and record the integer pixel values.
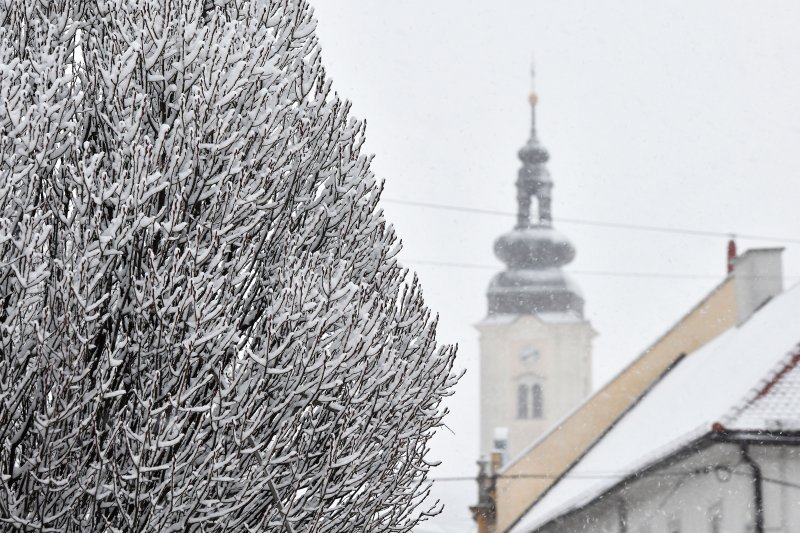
(714, 384)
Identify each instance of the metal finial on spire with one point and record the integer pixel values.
(532, 97)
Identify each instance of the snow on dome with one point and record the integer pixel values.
(534, 247)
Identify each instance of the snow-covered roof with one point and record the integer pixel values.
(700, 390)
(774, 404)
(557, 317)
(498, 320)
(554, 317)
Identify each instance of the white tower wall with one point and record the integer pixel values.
(562, 369)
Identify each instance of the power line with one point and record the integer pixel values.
(597, 475)
(781, 482)
(658, 275)
(537, 476)
(575, 272)
(598, 223)
(609, 475)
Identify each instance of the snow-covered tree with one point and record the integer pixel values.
(203, 325)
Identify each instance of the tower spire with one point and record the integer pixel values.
(533, 99)
(533, 179)
(533, 251)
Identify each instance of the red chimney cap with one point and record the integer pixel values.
(731, 254)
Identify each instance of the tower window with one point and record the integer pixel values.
(522, 401)
(530, 401)
(538, 401)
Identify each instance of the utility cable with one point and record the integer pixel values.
(450, 264)
(619, 475)
(598, 223)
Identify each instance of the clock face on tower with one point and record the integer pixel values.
(529, 356)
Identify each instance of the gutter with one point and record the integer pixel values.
(758, 489)
(757, 437)
(744, 439)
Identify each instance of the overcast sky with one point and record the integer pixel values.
(671, 114)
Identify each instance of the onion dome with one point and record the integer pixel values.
(534, 251)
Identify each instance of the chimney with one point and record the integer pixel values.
(731, 254)
(758, 275)
(500, 452)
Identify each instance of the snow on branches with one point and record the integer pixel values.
(202, 322)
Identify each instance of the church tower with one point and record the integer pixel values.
(535, 344)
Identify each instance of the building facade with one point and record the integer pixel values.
(712, 445)
(724, 482)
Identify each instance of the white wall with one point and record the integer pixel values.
(780, 466)
(688, 493)
(563, 368)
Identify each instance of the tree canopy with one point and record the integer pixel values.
(203, 324)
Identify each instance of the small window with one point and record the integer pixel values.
(522, 401)
(538, 401)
